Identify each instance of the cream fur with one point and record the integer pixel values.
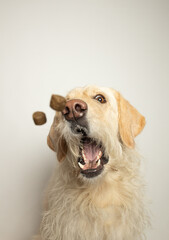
(108, 207)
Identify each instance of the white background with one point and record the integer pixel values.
(53, 46)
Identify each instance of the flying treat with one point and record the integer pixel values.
(39, 118)
(57, 102)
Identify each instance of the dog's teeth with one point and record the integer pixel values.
(81, 165)
(98, 163)
(99, 155)
(84, 157)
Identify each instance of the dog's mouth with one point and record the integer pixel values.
(92, 158)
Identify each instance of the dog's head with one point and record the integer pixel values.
(96, 126)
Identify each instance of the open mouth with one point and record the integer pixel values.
(92, 158)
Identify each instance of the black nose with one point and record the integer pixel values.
(74, 109)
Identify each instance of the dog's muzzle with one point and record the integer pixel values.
(91, 159)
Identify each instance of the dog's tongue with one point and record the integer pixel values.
(91, 151)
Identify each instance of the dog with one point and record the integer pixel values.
(96, 192)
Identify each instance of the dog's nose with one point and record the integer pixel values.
(74, 109)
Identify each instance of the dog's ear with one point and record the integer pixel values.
(49, 142)
(56, 142)
(131, 122)
(61, 149)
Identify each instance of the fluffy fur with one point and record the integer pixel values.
(112, 205)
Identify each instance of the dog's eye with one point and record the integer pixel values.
(100, 98)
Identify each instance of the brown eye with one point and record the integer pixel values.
(100, 98)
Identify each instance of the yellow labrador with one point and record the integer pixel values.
(96, 192)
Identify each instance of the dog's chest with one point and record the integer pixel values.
(78, 217)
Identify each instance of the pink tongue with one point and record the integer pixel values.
(91, 151)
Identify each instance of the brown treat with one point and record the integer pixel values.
(57, 102)
(39, 118)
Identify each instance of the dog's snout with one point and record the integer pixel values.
(74, 109)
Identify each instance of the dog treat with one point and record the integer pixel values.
(57, 102)
(39, 118)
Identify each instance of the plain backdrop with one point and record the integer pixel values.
(53, 46)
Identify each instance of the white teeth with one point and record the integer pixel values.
(99, 155)
(84, 157)
(81, 165)
(98, 163)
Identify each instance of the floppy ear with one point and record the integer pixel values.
(49, 142)
(57, 142)
(131, 122)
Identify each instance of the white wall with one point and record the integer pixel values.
(53, 46)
